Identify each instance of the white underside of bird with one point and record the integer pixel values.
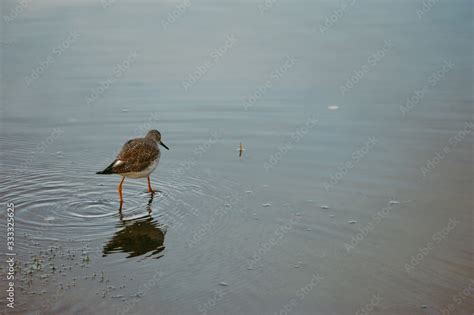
(141, 174)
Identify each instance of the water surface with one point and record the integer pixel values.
(331, 207)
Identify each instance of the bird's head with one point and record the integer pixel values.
(156, 136)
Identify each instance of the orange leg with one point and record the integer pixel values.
(120, 191)
(149, 185)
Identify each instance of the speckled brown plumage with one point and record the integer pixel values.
(137, 159)
(137, 155)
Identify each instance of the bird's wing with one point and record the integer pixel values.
(136, 155)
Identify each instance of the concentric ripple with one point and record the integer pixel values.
(66, 202)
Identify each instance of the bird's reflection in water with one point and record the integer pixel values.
(137, 237)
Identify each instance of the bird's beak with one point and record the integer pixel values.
(164, 145)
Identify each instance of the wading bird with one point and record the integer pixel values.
(137, 159)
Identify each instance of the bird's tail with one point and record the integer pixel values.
(108, 169)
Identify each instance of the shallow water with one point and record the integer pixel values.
(338, 205)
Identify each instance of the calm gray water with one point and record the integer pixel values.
(354, 194)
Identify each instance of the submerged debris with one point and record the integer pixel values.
(298, 265)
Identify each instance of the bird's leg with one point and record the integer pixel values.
(120, 191)
(149, 185)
